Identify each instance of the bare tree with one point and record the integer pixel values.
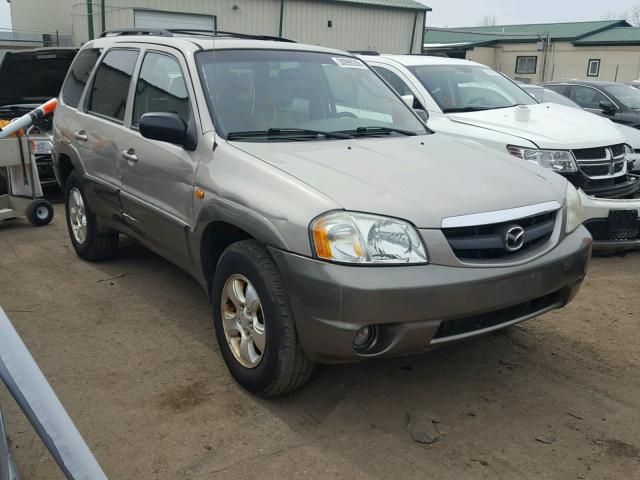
(612, 15)
(633, 16)
(488, 21)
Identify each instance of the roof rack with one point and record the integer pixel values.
(136, 31)
(224, 33)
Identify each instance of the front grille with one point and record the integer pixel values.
(481, 242)
(599, 230)
(45, 168)
(460, 326)
(601, 162)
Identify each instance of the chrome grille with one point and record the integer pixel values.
(488, 241)
(602, 162)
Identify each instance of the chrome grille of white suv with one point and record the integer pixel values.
(602, 162)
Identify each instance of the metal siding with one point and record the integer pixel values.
(354, 27)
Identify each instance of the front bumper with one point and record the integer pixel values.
(596, 215)
(418, 307)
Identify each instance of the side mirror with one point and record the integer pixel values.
(424, 116)
(166, 127)
(607, 107)
(408, 99)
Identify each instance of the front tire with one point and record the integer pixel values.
(82, 224)
(254, 324)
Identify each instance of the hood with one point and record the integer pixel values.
(33, 76)
(421, 179)
(549, 126)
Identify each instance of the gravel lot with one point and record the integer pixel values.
(129, 347)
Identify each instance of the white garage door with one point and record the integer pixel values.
(158, 19)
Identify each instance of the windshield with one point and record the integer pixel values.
(459, 88)
(544, 95)
(625, 94)
(275, 93)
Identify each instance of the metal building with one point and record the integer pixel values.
(389, 26)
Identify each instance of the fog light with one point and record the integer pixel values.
(365, 337)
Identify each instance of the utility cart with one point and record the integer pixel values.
(20, 174)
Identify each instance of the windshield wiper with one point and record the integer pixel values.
(466, 109)
(286, 133)
(364, 131)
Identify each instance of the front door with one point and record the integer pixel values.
(157, 194)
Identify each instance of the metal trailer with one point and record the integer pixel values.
(24, 197)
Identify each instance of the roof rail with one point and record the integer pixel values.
(365, 52)
(224, 33)
(159, 32)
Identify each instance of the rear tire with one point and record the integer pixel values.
(282, 367)
(40, 213)
(85, 237)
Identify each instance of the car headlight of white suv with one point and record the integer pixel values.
(574, 209)
(362, 238)
(561, 161)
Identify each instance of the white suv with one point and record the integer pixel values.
(475, 103)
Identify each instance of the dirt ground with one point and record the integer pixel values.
(129, 347)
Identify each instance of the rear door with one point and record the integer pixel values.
(158, 177)
(101, 128)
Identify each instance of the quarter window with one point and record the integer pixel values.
(78, 75)
(161, 87)
(111, 84)
(594, 68)
(394, 80)
(526, 65)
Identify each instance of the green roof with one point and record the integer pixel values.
(526, 33)
(406, 4)
(613, 36)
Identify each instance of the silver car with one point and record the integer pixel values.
(327, 223)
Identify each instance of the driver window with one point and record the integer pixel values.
(586, 97)
(161, 88)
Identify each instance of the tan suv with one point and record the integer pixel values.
(326, 221)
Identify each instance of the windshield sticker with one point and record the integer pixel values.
(347, 62)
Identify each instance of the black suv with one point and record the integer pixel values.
(618, 101)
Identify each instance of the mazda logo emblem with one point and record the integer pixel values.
(514, 238)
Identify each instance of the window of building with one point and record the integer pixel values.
(593, 69)
(526, 65)
(111, 84)
(161, 87)
(78, 75)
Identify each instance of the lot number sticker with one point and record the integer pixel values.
(346, 62)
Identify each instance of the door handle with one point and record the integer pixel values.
(81, 135)
(129, 155)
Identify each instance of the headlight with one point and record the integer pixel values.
(574, 208)
(630, 154)
(41, 147)
(352, 237)
(560, 161)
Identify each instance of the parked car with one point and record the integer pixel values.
(325, 220)
(616, 101)
(471, 101)
(632, 135)
(29, 78)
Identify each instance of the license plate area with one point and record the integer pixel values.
(623, 219)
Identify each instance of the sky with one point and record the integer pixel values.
(462, 13)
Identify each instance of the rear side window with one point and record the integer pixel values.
(161, 87)
(111, 84)
(78, 75)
